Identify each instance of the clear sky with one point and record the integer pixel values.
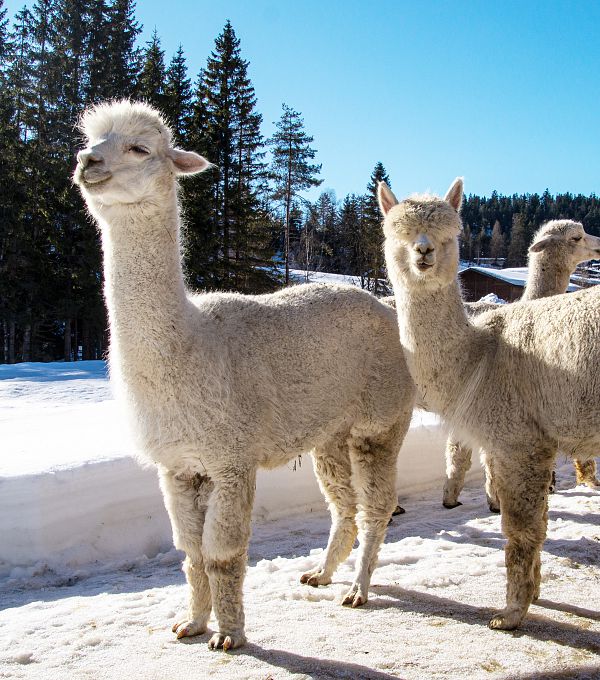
(505, 93)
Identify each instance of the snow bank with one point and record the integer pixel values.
(440, 575)
(70, 493)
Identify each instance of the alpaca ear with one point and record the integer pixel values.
(187, 162)
(386, 198)
(454, 195)
(538, 246)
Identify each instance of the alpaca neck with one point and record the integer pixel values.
(144, 287)
(439, 343)
(548, 275)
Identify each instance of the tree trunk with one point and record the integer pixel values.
(287, 215)
(27, 342)
(286, 248)
(85, 341)
(75, 338)
(67, 338)
(12, 331)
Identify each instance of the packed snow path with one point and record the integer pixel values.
(440, 574)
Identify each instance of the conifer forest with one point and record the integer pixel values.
(247, 223)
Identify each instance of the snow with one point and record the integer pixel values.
(67, 447)
(90, 583)
(517, 276)
(299, 275)
(493, 298)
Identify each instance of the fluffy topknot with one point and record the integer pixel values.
(123, 117)
(558, 228)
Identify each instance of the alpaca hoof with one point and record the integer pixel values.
(354, 598)
(507, 619)
(315, 578)
(225, 642)
(494, 508)
(398, 511)
(450, 504)
(189, 628)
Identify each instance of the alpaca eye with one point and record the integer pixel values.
(577, 238)
(139, 150)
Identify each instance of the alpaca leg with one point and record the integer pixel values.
(186, 500)
(332, 467)
(333, 471)
(458, 461)
(491, 493)
(225, 550)
(374, 478)
(585, 471)
(552, 487)
(523, 490)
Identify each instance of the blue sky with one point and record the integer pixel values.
(505, 93)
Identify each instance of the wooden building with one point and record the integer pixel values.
(507, 284)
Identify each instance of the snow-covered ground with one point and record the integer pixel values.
(89, 582)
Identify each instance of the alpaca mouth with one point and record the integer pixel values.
(95, 179)
(422, 265)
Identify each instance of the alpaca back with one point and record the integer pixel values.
(542, 367)
(277, 375)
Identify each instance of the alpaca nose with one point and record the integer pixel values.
(88, 157)
(423, 245)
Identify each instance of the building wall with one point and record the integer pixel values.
(476, 285)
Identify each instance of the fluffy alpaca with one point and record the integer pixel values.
(218, 385)
(516, 381)
(556, 250)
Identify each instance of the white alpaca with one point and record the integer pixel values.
(517, 381)
(220, 384)
(556, 250)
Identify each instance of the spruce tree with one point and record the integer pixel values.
(178, 96)
(350, 246)
(123, 55)
(519, 242)
(152, 80)
(11, 199)
(229, 233)
(98, 70)
(291, 169)
(372, 231)
(497, 243)
(466, 243)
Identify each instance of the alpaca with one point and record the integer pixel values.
(556, 250)
(517, 381)
(219, 384)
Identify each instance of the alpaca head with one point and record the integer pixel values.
(421, 234)
(565, 241)
(129, 158)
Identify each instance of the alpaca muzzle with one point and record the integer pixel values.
(91, 168)
(424, 252)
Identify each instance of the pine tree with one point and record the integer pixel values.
(178, 96)
(11, 198)
(350, 246)
(152, 81)
(123, 56)
(372, 231)
(497, 243)
(98, 72)
(519, 242)
(229, 231)
(317, 236)
(39, 121)
(466, 244)
(291, 169)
